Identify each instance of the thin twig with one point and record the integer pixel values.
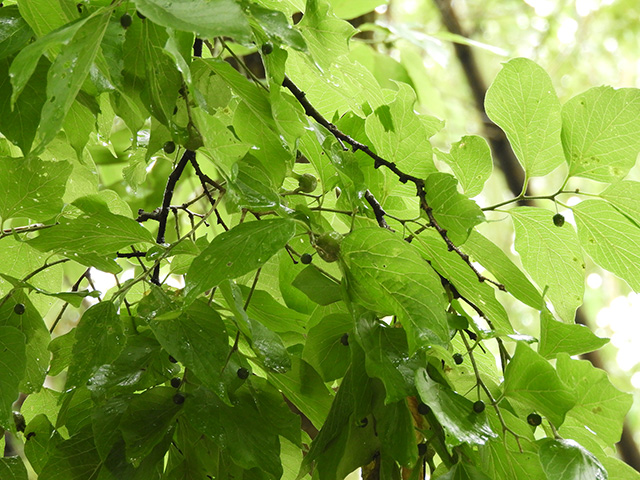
(74, 288)
(489, 394)
(25, 229)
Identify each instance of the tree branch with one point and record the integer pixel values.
(378, 162)
(166, 204)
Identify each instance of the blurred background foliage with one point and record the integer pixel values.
(581, 44)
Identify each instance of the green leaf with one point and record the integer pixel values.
(234, 253)
(243, 424)
(27, 59)
(354, 8)
(399, 135)
(217, 18)
(567, 459)
(454, 412)
(394, 424)
(272, 314)
(531, 380)
(150, 416)
(43, 15)
(387, 358)
(66, 76)
(552, 256)
(277, 27)
(61, 349)
(41, 441)
(269, 347)
(522, 101)
(385, 274)
(141, 364)
(12, 352)
(197, 338)
(98, 340)
(509, 463)
(454, 212)
(327, 36)
(470, 160)
(557, 337)
(491, 257)
(324, 348)
(599, 405)
(19, 124)
(37, 337)
(32, 188)
(600, 136)
(12, 468)
(625, 197)
(305, 389)
(317, 286)
(15, 32)
(220, 144)
(97, 231)
(464, 471)
(73, 459)
(610, 239)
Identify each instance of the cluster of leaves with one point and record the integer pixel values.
(331, 318)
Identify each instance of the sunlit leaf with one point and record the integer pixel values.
(600, 136)
(552, 256)
(522, 101)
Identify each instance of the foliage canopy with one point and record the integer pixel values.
(304, 290)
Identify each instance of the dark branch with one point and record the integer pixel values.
(378, 211)
(166, 204)
(378, 162)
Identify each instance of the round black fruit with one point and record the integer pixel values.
(344, 340)
(19, 308)
(534, 419)
(457, 357)
(306, 258)
(267, 48)
(126, 20)
(169, 147)
(176, 382)
(423, 408)
(478, 406)
(243, 373)
(558, 220)
(178, 398)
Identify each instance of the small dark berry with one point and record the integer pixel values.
(172, 359)
(267, 48)
(178, 398)
(478, 406)
(344, 340)
(534, 419)
(422, 449)
(306, 258)
(169, 147)
(19, 309)
(18, 419)
(243, 373)
(423, 408)
(364, 422)
(457, 357)
(558, 220)
(126, 20)
(176, 382)
(140, 15)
